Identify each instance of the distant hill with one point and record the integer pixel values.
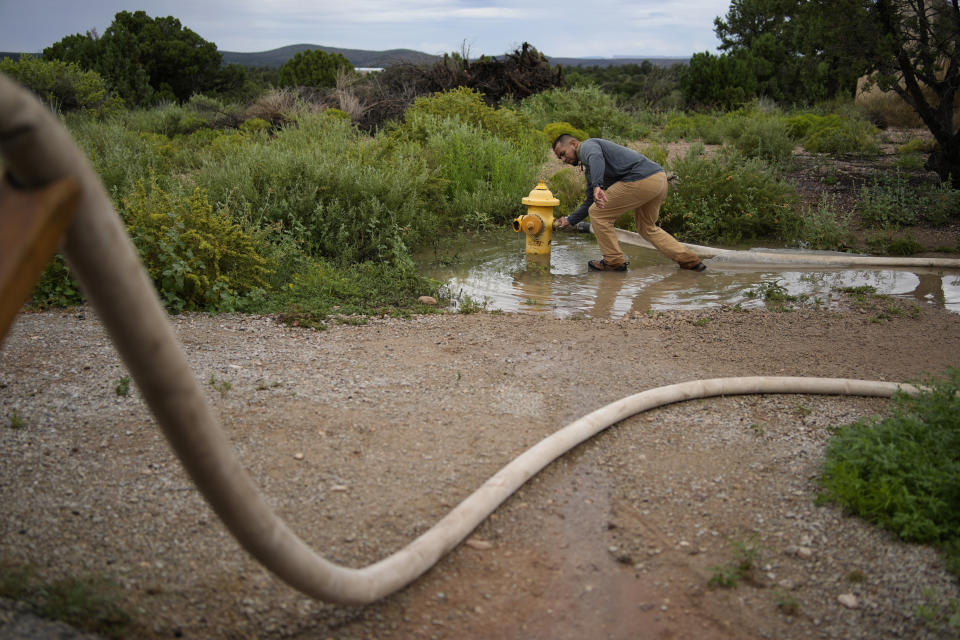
(357, 57)
(615, 62)
(362, 58)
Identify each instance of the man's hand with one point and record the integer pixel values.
(599, 197)
(563, 223)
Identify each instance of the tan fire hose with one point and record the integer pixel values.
(38, 152)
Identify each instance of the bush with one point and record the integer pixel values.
(485, 176)
(906, 246)
(197, 259)
(765, 138)
(587, 108)
(890, 203)
(63, 85)
(815, 228)
(56, 287)
(725, 198)
(556, 129)
(903, 472)
(335, 192)
(468, 106)
(834, 134)
(568, 186)
(693, 126)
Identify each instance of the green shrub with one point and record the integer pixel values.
(888, 203)
(917, 145)
(468, 106)
(335, 192)
(484, 176)
(121, 156)
(568, 186)
(63, 85)
(940, 204)
(656, 152)
(903, 472)
(906, 246)
(585, 107)
(556, 129)
(765, 138)
(725, 198)
(693, 126)
(56, 287)
(197, 259)
(320, 288)
(834, 134)
(815, 228)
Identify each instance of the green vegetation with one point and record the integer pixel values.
(939, 613)
(15, 420)
(725, 198)
(63, 85)
(148, 59)
(313, 68)
(89, 603)
(585, 107)
(729, 575)
(122, 387)
(903, 472)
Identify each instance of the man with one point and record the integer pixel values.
(620, 180)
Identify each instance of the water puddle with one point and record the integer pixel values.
(492, 269)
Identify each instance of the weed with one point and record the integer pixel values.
(16, 420)
(122, 386)
(787, 603)
(740, 567)
(905, 246)
(467, 304)
(774, 295)
(221, 386)
(702, 322)
(855, 576)
(939, 613)
(902, 472)
(758, 429)
(88, 602)
(803, 411)
(263, 385)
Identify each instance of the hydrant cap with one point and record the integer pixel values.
(541, 197)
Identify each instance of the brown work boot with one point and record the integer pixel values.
(600, 265)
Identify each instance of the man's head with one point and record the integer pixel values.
(565, 148)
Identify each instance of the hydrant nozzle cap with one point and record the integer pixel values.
(541, 197)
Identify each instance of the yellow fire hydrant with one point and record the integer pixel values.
(537, 223)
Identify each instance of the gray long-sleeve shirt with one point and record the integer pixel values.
(607, 162)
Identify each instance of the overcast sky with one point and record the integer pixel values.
(562, 28)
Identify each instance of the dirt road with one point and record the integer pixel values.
(363, 436)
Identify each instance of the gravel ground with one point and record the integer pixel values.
(363, 436)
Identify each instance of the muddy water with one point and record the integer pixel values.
(493, 270)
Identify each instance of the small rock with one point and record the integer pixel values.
(849, 601)
(804, 553)
(338, 488)
(427, 300)
(786, 584)
(298, 456)
(481, 545)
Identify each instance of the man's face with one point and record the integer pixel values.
(566, 152)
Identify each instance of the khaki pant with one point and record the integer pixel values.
(644, 197)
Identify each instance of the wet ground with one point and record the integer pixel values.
(493, 270)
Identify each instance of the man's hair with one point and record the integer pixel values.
(563, 138)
